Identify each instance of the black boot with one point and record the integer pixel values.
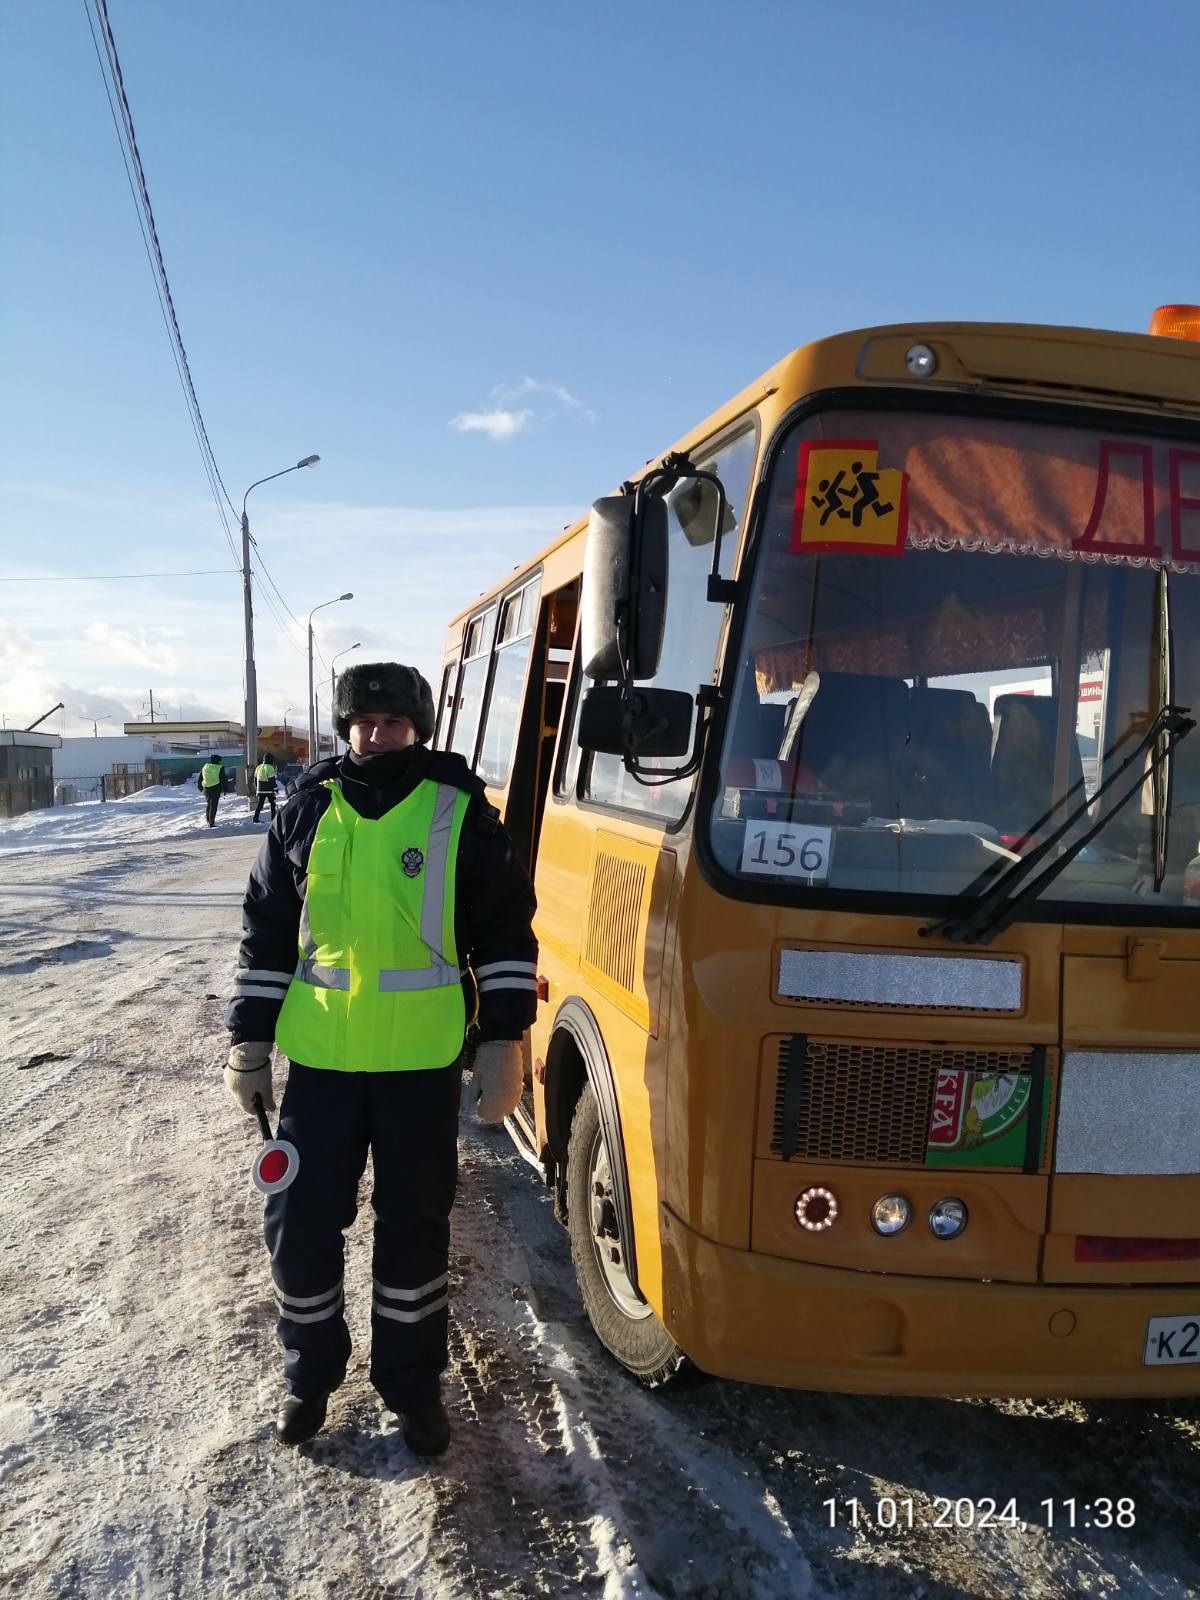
(426, 1429)
(300, 1419)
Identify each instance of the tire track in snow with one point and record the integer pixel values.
(592, 1421)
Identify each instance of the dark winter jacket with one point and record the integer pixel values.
(495, 901)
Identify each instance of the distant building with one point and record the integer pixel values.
(26, 770)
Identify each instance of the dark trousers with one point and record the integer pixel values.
(264, 794)
(211, 798)
(409, 1122)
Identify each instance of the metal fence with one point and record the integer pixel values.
(18, 795)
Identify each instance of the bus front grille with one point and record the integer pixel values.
(846, 1100)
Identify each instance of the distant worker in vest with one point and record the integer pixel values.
(212, 784)
(264, 786)
(387, 903)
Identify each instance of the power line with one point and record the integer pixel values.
(279, 622)
(145, 216)
(110, 45)
(114, 577)
(266, 574)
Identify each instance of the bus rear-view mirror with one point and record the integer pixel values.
(653, 722)
(624, 587)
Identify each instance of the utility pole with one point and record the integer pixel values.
(333, 688)
(152, 708)
(312, 714)
(251, 709)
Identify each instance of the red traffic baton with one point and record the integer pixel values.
(278, 1162)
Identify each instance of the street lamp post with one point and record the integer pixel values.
(251, 708)
(333, 687)
(312, 710)
(287, 738)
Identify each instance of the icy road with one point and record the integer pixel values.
(139, 1364)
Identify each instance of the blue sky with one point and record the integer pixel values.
(600, 221)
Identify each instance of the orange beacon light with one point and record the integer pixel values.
(1176, 322)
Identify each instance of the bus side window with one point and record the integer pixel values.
(445, 705)
(477, 647)
(504, 700)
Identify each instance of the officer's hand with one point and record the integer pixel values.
(499, 1072)
(249, 1073)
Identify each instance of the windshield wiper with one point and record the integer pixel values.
(994, 909)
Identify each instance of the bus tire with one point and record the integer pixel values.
(625, 1324)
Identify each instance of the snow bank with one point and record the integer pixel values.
(160, 812)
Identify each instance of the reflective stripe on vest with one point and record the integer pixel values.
(377, 986)
(210, 774)
(264, 771)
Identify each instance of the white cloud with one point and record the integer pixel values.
(132, 645)
(556, 391)
(498, 424)
(508, 417)
(16, 647)
(411, 569)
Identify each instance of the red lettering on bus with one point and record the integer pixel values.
(945, 1121)
(1180, 503)
(1088, 541)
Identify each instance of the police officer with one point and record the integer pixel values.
(384, 877)
(212, 783)
(264, 786)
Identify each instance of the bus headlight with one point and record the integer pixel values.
(890, 1214)
(947, 1218)
(817, 1209)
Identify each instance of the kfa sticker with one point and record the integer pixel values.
(412, 861)
(846, 501)
(978, 1117)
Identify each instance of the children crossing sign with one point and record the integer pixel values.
(846, 501)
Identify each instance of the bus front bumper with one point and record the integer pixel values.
(762, 1319)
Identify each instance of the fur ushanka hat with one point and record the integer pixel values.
(383, 686)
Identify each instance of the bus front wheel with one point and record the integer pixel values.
(624, 1323)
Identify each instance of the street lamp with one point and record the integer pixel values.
(251, 709)
(333, 688)
(287, 738)
(312, 710)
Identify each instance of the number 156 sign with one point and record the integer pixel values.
(787, 850)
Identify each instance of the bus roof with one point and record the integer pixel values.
(973, 357)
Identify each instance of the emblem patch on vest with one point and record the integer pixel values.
(412, 861)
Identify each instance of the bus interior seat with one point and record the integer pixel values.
(757, 728)
(852, 740)
(1023, 761)
(948, 772)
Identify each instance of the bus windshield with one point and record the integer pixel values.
(956, 631)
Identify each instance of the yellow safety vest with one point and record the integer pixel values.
(263, 772)
(378, 986)
(210, 774)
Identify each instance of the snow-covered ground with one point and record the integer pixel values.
(139, 1369)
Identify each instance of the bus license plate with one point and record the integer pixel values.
(1171, 1341)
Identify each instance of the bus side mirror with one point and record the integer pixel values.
(624, 600)
(654, 722)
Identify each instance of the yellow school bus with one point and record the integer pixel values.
(849, 747)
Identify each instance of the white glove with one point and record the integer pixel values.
(498, 1078)
(249, 1073)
